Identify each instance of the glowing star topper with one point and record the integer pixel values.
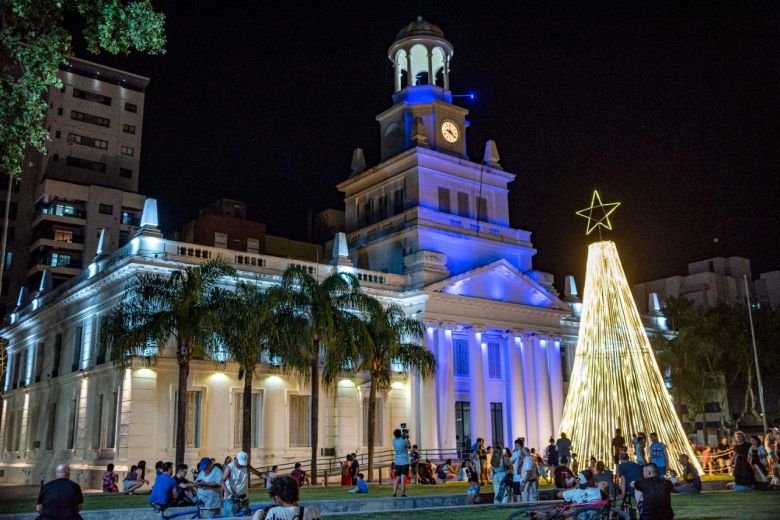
(598, 213)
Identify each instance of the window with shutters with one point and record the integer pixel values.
(460, 357)
(482, 209)
(497, 423)
(238, 418)
(463, 204)
(32, 428)
(494, 359)
(39, 353)
(380, 423)
(97, 424)
(77, 336)
(55, 370)
(299, 420)
(444, 200)
(192, 420)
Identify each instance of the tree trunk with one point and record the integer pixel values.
(246, 413)
(315, 410)
(371, 427)
(181, 404)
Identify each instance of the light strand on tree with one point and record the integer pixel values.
(615, 382)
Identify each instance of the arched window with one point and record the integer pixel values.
(437, 64)
(420, 72)
(401, 73)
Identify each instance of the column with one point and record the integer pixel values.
(409, 78)
(529, 388)
(515, 393)
(430, 67)
(446, 71)
(483, 354)
(543, 404)
(445, 393)
(477, 389)
(555, 371)
(429, 420)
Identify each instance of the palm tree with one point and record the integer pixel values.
(328, 326)
(248, 322)
(390, 337)
(157, 307)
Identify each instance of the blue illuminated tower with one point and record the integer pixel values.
(426, 210)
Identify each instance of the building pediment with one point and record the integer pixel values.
(499, 281)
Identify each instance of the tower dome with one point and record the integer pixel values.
(421, 48)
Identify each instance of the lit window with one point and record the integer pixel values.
(127, 150)
(63, 235)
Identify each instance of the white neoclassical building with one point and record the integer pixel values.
(427, 229)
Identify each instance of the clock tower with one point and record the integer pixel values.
(426, 211)
(422, 113)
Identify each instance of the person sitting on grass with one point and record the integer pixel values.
(690, 481)
(110, 479)
(362, 486)
(285, 492)
(472, 477)
(164, 489)
(426, 473)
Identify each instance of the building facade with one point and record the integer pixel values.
(426, 229)
(87, 182)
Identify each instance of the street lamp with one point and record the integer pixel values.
(755, 353)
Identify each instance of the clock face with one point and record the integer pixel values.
(449, 131)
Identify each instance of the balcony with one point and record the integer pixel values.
(50, 243)
(58, 263)
(62, 214)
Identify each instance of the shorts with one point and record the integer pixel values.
(401, 470)
(517, 489)
(473, 489)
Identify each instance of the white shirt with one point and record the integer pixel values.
(238, 480)
(528, 465)
(290, 513)
(582, 496)
(516, 460)
(211, 497)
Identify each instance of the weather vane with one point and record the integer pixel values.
(598, 214)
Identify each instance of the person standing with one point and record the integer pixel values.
(235, 484)
(472, 476)
(552, 454)
(628, 472)
(618, 445)
(414, 459)
(654, 495)
(346, 471)
(61, 498)
(499, 465)
(354, 469)
(658, 454)
(563, 445)
(529, 478)
(744, 478)
(517, 465)
(209, 481)
(401, 459)
(640, 444)
(722, 453)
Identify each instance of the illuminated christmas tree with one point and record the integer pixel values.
(615, 382)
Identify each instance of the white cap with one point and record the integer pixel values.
(242, 458)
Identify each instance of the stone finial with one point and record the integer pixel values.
(419, 137)
(491, 157)
(149, 220)
(46, 283)
(358, 161)
(653, 303)
(570, 289)
(102, 247)
(340, 255)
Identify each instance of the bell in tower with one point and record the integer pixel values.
(421, 58)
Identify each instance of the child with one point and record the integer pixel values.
(271, 475)
(473, 479)
(110, 480)
(362, 486)
(673, 477)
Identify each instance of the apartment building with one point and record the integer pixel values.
(85, 186)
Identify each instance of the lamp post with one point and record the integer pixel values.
(755, 353)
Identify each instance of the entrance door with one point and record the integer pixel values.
(462, 427)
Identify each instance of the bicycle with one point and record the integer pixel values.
(195, 513)
(602, 510)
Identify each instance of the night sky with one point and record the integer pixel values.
(673, 113)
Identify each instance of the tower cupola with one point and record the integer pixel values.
(421, 56)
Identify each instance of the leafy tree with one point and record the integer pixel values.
(327, 333)
(389, 337)
(34, 42)
(156, 308)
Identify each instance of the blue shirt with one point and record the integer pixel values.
(362, 486)
(401, 452)
(631, 471)
(161, 491)
(657, 455)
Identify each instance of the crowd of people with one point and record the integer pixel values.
(514, 473)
